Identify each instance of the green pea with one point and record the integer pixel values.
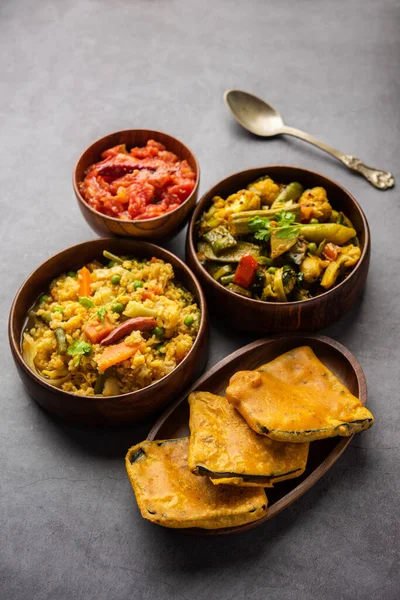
(71, 274)
(161, 349)
(118, 307)
(137, 284)
(57, 309)
(111, 264)
(115, 279)
(313, 220)
(158, 331)
(312, 248)
(189, 320)
(271, 270)
(44, 298)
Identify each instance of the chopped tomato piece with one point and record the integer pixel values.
(246, 271)
(115, 354)
(331, 251)
(97, 331)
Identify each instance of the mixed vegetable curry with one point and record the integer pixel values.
(276, 242)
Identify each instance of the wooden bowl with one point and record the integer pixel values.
(156, 228)
(247, 314)
(323, 454)
(111, 410)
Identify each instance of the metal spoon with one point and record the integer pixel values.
(261, 118)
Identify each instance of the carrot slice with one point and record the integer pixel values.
(97, 331)
(115, 354)
(84, 282)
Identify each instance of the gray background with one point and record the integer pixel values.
(72, 72)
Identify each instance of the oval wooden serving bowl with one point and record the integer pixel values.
(156, 228)
(247, 314)
(100, 410)
(323, 454)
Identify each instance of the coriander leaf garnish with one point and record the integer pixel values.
(261, 227)
(287, 228)
(86, 302)
(101, 313)
(79, 348)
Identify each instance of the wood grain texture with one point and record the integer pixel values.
(247, 314)
(111, 410)
(322, 455)
(156, 228)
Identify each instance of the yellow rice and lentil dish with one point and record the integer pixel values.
(111, 329)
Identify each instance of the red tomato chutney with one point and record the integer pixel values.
(141, 184)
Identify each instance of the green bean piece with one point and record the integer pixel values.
(220, 239)
(113, 257)
(71, 274)
(321, 248)
(238, 290)
(331, 232)
(292, 192)
(111, 264)
(221, 271)
(118, 307)
(61, 340)
(137, 284)
(44, 298)
(227, 279)
(99, 384)
(189, 320)
(232, 254)
(265, 261)
(158, 331)
(45, 317)
(115, 279)
(312, 248)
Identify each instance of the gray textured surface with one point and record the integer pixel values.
(74, 71)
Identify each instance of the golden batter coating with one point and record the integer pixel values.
(296, 398)
(223, 447)
(170, 495)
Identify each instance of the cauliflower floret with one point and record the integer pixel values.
(348, 256)
(221, 209)
(267, 189)
(315, 205)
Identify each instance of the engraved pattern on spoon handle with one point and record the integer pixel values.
(380, 179)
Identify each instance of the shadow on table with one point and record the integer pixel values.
(172, 550)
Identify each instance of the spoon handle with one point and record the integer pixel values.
(380, 179)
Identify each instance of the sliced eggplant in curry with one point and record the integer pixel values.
(296, 398)
(223, 447)
(170, 495)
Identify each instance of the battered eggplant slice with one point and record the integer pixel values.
(296, 398)
(170, 495)
(223, 447)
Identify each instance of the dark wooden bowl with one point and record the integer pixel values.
(247, 314)
(156, 228)
(111, 410)
(174, 423)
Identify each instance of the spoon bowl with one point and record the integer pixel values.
(254, 114)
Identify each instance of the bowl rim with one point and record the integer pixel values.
(252, 301)
(16, 344)
(82, 200)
